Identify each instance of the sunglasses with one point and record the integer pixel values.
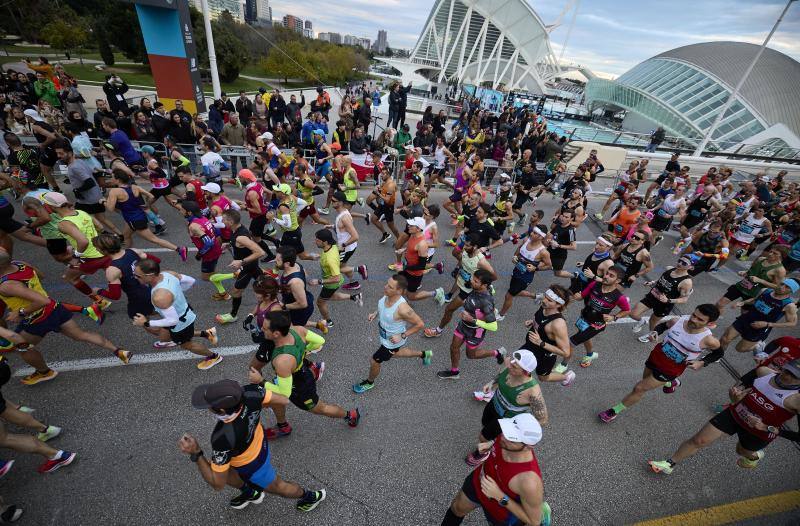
(638, 238)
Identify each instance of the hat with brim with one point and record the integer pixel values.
(214, 188)
(224, 394)
(522, 428)
(417, 222)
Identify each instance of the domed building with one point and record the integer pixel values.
(684, 89)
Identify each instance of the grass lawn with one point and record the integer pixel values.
(138, 74)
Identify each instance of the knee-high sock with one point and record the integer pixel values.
(217, 279)
(236, 303)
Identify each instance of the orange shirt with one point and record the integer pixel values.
(624, 220)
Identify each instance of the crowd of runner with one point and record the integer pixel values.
(252, 251)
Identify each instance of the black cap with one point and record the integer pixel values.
(225, 394)
(325, 235)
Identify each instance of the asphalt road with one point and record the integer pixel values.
(404, 463)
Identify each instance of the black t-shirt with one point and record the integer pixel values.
(486, 231)
(231, 439)
(563, 236)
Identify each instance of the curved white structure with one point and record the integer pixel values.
(482, 42)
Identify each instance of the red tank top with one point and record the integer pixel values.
(208, 229)
(199, 196)
(788, 349)
(412, 256)
(502, 472)
(764, 401)
(223, 203)
(259, 191)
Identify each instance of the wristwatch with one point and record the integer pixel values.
(773, 430)
(194, 457)
(504, 501)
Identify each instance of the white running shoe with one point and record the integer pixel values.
(639, 325)
(570, 377)
(649, 337)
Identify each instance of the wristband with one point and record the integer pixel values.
(146, 323)
(194, 457)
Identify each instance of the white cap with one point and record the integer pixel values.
(214, 188)
(525, 359)
(522, 428)
(417, 222)
(266, 136)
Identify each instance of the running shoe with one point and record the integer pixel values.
(64, 458)
(760, 346)
(362, 269)
(747, 463)
(102, 303)
(25, 409)
(94, 313)
(587, 360)
(246, 497)
(237, 182)
(123, 355)
(661, 466)
(353, 416)
(384, 238)
(560, 368)
(317, 369)
(367, 218)
(426, 357)
(5, 467)
(323, 211)
(432, 332)
(358, 298)
(448, 374)
(718, 408)
(607, 416)
(499, 317)
(278, 431)
(329, 323)
(570, 377)
(164, 345)
(439, 267)
(451, 242)
(49, 433)
(363, 387)
(37, 377)
(360, 201)
(657, 240)
(501, 355)
(514, 239)
(354, 285)
(211, 335)
(524, 218)
(744, 257)
(454, 222)
(439, 296)
(472, 460)
(160, 229)
(6, 345)
(547, 515)
(672, 387)
(448, 298)
(480, 396)
(639, 325)
(322, 326)
(397, 267)
(760, 356)
(11, 514)
(224, 319)
(309, 503)
(183, 252)
(649, 337)
(209, 362)
(220, 296)
(598, 216)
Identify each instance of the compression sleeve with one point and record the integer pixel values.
(314, 341)
(489, 326)
(282, 385)
(713, 356)
(423, 262)
(186, 282)
(170, 318)
(285, 221)
(113, 292)
(152, 257)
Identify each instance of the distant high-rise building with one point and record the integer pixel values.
(216, 7)
(307, 25)
(349, 40)
(335, 38)
(363, 42)
(380, 44)
(250, 11)
(263, 12)
(325, 37)
(292, 22)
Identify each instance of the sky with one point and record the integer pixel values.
(609, 36)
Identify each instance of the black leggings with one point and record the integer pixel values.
(489, 420)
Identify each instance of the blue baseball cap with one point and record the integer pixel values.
(792, 284)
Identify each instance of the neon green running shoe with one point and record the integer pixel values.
(660, 466)
(50, 432)
(546, 514)
(560, 368)
(747, 463)
(222, 319)
(426, 357)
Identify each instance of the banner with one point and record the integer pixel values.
(363, 165)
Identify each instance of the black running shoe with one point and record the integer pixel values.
(159, 229)
(448, 375)
(247, 496)
(384, 237)
(308, 504)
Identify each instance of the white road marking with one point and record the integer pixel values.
(151, 357)
(162, 249)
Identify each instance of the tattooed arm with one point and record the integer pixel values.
(536, 402)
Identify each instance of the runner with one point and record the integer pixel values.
(218, 203)
(38, 314)
(562, 239)
(462, 176)
(673, 205)
(238, 442)
(753, 224)
(385, 195)
(10, 226)
(416, 260)
(130, 200)
(512, 392)
(696, 214)
(332, 277)
(167, 294)
(673, 287)
(120, 274)
(294, 293)
(708, 248)
(686, 339)
(307, 189)
(763, 313)
(396, 322)
(530, 257)
(508, 485)
(631, 257)
(766, 271)
(595, 265)
(472, 260)
(600, 298)
(622, 221)
(285, 216)
(45, 222)
(346, 240)
(294, 377)
(773, 400)
(246, 254)
(209, 247)
(257, 205)
(477, 317)
(548, 338)
(575, 203)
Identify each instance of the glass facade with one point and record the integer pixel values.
(679, 97)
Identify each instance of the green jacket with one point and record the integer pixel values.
(400, 140)
(45, 89)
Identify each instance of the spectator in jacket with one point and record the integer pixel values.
(184, 115)
(402, 139)
(233, 134)
(115, 90)
(358, 142)
(145, 131)
(363, 115)
(341, 135)
(227, 106)
(244, 107)
(425, 139)
(102, 113)
(293, 114)
(322, 103)
(215, 119)
(46, 90)
(160, 120)
(656, 139)
(394, 105)
(277, 108)
(180, 131)
(315, 122)
(404, 102)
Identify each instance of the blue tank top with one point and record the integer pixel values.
(186, 315)
(132, 208)
(767, 308)
(134, 289)
(388, 326)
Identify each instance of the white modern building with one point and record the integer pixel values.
(684, 90)
(499, 43)
(216, 7)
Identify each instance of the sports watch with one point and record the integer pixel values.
(504, 501)
(194, 457)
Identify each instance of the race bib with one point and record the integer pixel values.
(672, 352)
(581, 324)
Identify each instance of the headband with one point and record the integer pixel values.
(604, 241)
(538, 232)
(553, 296)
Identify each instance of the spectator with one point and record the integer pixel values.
(425, 139)
(346, 113)
(358, 142)
(102, 113)
(233, 134)
(363, 115)
(16, 122)
(73, 100)
(43, 67)
(146, 107)
(439, 123)
(244, 107)
(394, 105)
(260, 109)
(656, 138)
(277, 108)
(122, 143)
(144, 129)
(215, 119)
(322, 103)
(161, 120)
(292, 135)
(341, 135)
(252, 134)
(293, 114)
(227, 106)
(185, 115)
(180, 131)
(46, 90)
(402, 139)
(404, 102)
(115, 89)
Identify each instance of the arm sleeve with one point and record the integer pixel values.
(113, 292)
(285, 221)
(208, 244)
(314, 341)
(186, 282)
(585, 292)
(489, 326)
(713, 356)
(170, 318)
(282, 385)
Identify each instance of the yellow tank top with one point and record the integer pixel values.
(291, 204)
(84, 222)
(28, 277)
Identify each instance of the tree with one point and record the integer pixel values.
(63, 35)
(105, 48)
(291, 63)
(388, 52)
(232, 55)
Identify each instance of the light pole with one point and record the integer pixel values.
(735, 91)
(212, 54)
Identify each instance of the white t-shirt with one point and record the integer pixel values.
(212, 164)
